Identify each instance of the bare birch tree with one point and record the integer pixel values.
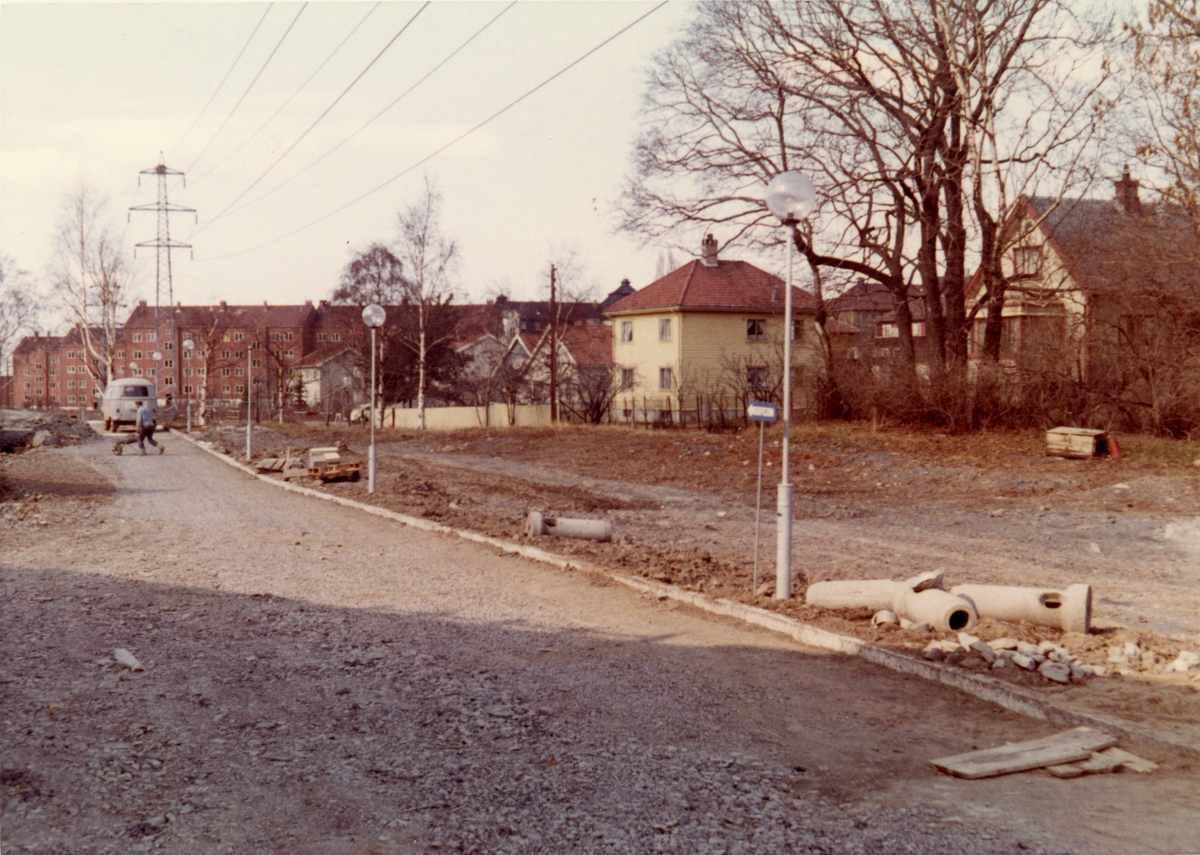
(430, 260)
(90, 277)
(19, 304)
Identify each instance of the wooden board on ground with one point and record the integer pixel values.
(1069, 746)
(1109, 760)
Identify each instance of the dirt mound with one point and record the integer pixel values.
(22, 430)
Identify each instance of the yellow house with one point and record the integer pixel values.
(705, 339)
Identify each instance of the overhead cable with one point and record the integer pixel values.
(265, 172)
(398, 99)
(248, 88)
(291, 98)
(452, 142)
(223, 79)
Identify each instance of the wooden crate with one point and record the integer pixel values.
(1076, 442)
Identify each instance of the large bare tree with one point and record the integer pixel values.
(917, 120)
(90, 278)
(19, 304)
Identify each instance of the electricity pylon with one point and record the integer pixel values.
(163, 244)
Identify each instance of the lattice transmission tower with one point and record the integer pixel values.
(164, 322)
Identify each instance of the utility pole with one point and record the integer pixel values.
(553, 350)
(162, 271)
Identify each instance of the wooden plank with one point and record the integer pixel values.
(1069, 746)
(1073, 442)
(1131, 761)
(1099, 763)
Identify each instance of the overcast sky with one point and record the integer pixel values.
(93, 92)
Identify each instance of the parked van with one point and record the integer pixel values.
(121, 398)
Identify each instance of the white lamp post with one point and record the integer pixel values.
(373, 316)
(188, 346)
(790, 196)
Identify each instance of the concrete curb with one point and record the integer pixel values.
(1015, 698)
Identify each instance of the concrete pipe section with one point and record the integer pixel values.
(940, 609)
(1069, 609)
(600, 530)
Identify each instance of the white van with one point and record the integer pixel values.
(121, 399)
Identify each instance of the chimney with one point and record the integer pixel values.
(142, 303)
(224, 307)
(178, 304)
(324, 304)
(625, 283)
(708, 252)
(264, 304)
(1127, 193)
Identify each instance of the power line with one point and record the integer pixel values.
(402, 95)
(452, 142)
(291, 98)
(254, 183)
(248, 88)
(223, 79)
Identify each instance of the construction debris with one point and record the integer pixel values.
(1109, 760)
(1070, 746)
(1069, 609)
(1081, 443)
(124, 657)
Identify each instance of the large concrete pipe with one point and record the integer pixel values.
(1069, 609)
(536, 524)
(940, 609)
(874, 594)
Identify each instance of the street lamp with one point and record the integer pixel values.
(188, 346)
(373, 316)
(790, 196)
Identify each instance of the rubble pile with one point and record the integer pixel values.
(23, 430)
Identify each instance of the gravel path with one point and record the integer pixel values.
(320, 681)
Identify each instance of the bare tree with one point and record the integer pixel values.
(19, 304)
(913, 117)
(430, 259)
(90, 277)
(373, 276)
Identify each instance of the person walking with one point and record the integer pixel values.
(145, 425)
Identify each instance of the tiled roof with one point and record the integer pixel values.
(195, 316)
(589, 344)
(729, 285)
(322, 354)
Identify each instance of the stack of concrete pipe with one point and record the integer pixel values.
(922, 599)
(536, 524)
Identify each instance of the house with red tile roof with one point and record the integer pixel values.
(708, 337)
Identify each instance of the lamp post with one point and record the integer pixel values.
(249, 401)
(373, 316)
(790, 196)
(188, 346)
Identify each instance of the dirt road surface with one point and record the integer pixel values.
(320, 681)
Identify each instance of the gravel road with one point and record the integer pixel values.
(321, 681)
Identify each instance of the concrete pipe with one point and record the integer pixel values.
(1069, 609)
(600, 530)
(873, 594)
(940, 609)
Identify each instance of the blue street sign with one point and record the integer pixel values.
(761, 411)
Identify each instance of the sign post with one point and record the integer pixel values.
(761, 412)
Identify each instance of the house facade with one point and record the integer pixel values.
(706, 338)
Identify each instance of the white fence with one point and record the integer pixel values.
(457, 418)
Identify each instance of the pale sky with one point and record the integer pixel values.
(93, 92)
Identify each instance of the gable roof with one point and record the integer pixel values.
(728, 285)
(265, 315)
(589, 345)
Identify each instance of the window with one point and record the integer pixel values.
(70, 369)
(150, 372)
(53, 372)
(70, 399)
(756, 377)
(187, 390)
(797, 329)
(918, 329)
(50, 360)
(321, 336)
(53, 385)
(664, 329)
(237, 336)
(120, 354)
(241, 389)
(225, 372)
(666, 379)
(168, 381)
(889, 331)
(136, 372)
(239, 372)
(151, 336)
(27, 372)
(287, 336)
(756, 329)
(187, 336)
(224, 354)
(137, 354)
(257, 363)
(337, 336)
(287, 354)
(137, 336)
(170, 345)
(1027, 260)
(168, 363)
(27, 385)
(200, 371)
(274, 336)
(37, 365)
(201, 354)
(626, 331)
(626, 378)
(225, 389)
(239, 354)
(225, 337)
(187, 372)
(120, 369)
